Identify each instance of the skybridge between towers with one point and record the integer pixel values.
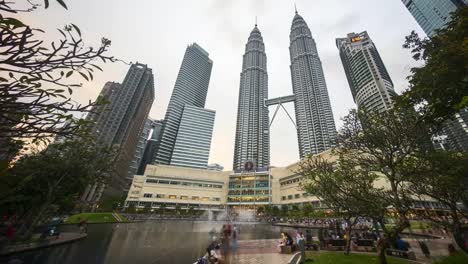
(279, 101)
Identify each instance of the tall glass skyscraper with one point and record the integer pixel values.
(192, 146)
(370, 83)
(316, 131)
(252, 130)
(191, 88)
(432, 14)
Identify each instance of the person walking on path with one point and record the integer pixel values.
(300, 240)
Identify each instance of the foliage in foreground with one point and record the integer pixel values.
(49, 182)
(439, 88)
(39, 79)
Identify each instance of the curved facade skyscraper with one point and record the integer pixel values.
(370, 83)
(252, 131)
(191, 88)
(316, 130)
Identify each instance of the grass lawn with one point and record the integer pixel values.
(415, 225)
(92, 218)
(458, 258)
(340, 258)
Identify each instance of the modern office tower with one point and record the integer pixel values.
(316, 130)
(433, 14)
(140, 148)
(104, 116)
(252, 131)
(150, 148)
(215, 167)
(120, 123)
(190, 88)
(456, 131)
(192, 145)
(370, 83)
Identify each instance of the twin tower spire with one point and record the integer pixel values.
(316, 130)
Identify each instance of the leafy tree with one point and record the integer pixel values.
(275, 210)
(162, 208)
(443, 177)
(260, 210)
(307, 209)
(385, 144)
(47, 182)
(177, 209)
(345, 187)
(440, 86)
(36, 89)
(191, 211)
(284, 210)
(268, 210)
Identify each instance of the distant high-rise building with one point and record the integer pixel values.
(456, 131)
(215, 167)
(140, 148)
(432, 14)
(316, 131)
(104, 116)
(121, 122)
(150, 148)
(370, 83)
(252, 131)
(191, 88)
(193, 141)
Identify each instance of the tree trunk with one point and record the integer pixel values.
(36, 220)
(382, 258)
(456, 225)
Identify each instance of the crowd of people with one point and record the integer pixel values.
(221, 246)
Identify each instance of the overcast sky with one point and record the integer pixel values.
(157, 33)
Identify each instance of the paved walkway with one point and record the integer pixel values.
(65, 237)
(262, 251)
(265, 251)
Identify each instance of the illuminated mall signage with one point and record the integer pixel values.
(356, 39)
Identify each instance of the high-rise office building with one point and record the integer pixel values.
(104, 116)
(191, 88)
(140, 148)
(316, 131)
(432, 14)
(456, 130)
(192, 146)
(121, 122)
(252, 131)
(150, 148)
(370, 83)
(215, 167)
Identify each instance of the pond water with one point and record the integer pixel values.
(144, 242)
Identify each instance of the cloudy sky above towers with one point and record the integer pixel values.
(157, 32)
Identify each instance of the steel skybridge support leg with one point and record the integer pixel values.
(274, 115)
(290, 118)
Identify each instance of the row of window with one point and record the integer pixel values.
(295, 196)
(184, 183)
(290, 181)
(248, 199)
(181, 197)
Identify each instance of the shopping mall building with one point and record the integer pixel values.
(216, 190)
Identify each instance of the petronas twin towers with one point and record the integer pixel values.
(316, 130)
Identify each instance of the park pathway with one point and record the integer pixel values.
(262, 251)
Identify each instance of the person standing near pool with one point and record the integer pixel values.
(300, 240)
